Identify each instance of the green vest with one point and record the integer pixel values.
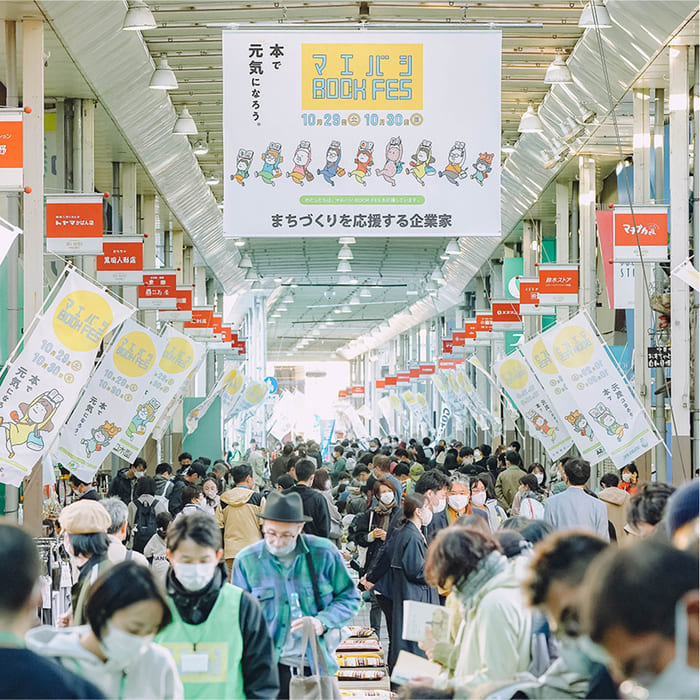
(219, 639)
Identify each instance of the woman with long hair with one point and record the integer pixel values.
(483, 497)
(322, 482)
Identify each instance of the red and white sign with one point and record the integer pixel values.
(447, 346)
(358, 391)
(459, 338)
(390, 381)
(642, 227)
(403, 377)
(484, 325)
(74, 224)
(427, 369)
(343, 394)
(380, 383)
(414, 372)
(506, 316)
(530, 298)
(446, 364)
(619, 276)
(470, 330)
(183, 312)
(11, 174)
(159, 290)
(200, 325)
(121, 261)
(558, 284)
(239, 346)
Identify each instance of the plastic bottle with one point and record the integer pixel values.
(295, 612)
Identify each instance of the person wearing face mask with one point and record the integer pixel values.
(323, 484)
(142, 512)
(434, 485)
(193, 498)
(408, 550)
(529, 500)
(191, 475)
(288, 562)
(483, 498)
(115, 650)
(156, 548)
(641, 603)
(458, 500)
(83, 489)
(629, 478)
(218, 635)
(210, 491)
(541, 475)
(123, 484)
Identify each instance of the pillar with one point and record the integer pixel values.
(148, 228)
(129, 218)
(561, 222)
(587, 238)
(680, 234)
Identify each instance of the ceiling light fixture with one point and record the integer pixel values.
(558, 72)
(444, 256)
(138, 17)
(345, 309)
(201, 148)
(184, 125)
(346, 240)
(365, 293)
(437, 275)
(212, 180)
(240, 242)
(245, 261)
(281, 307)
(452, 247)
(163, 77)
(573, 129)
(530, 123)
(345, 253)
(289, 299)
(595, 14)
(354, 300)
(344, 266)
(275, 315)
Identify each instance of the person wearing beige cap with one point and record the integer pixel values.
(84, 525)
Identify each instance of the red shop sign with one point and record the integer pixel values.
(446, 364)
(427, 369)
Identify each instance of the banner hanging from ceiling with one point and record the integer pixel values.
(371, 132)
(112, 404)
(44, 381)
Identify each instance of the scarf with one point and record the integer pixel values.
(383, 514)
(487, 568)
(194, 606)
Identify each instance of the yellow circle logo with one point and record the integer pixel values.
(513, 374)
(573, 347)
(81, 320)
(255, 392)
(233, 382)
(135, 354)
(177, 357)
(542, 359)
(420, 399)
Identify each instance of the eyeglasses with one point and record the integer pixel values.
(280, 536)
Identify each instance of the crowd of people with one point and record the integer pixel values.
(197, 582)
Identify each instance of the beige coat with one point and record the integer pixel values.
(239, 520)
(616, 501)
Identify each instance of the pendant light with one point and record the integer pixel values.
(138, 17)
(558, 72)
(163, 77)
(595, 14)
(530, 123)
(185, 125)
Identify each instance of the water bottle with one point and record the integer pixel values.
(295, 612)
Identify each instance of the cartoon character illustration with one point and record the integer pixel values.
(482, 167)
(33, 419)
(145, 413)
(580, 424)
(332, 164)
(454, 169)
(243, 163)
(272, 159)
(602, 415)
(421, 162)
(100, 438)
(540, 423)
(364, 161)
(393, 165)
(302, 158)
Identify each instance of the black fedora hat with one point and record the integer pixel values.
(284, 508)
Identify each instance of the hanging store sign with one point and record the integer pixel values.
(446, 364)
(484, 325)
(183, 312)
(599, 390)
(526, 392)
(506, 316)
(11, 149)
(530, 298)
(200, 325)
(640, 228)
(343, 394)
(403, 377)
(364, 142)
(447, 347)
(414, 372)
(558, 284)
(43, 382)
(619, 276)
(390, 381)
(459, 339)
(121, 261)
(112, 404)
(380, 384)
(74, 224)
(358, 391)
(426, 370)
(159, 290)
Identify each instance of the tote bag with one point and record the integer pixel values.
(319, 685)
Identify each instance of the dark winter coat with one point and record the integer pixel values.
(123, 487)
(315, 506)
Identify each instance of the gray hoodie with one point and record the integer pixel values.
(152, 675)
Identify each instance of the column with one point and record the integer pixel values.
(587, 242)
(33, 142)
(529, 270)
(680, 234)
(148, 214)
(561, 222)
(643, 274)
(129, 218)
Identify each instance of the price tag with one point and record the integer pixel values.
(195, 663)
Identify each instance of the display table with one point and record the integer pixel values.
(363, 671)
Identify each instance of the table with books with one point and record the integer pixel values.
(363, 671)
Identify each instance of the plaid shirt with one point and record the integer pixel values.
(259, 572)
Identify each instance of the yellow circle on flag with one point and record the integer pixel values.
(81, 320)
(254, 393)
(233, 382)
(573, 347)
(420, 399)
(513, 374)
(177, 357)
(131, 356)
(542, 358)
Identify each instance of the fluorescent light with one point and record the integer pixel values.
(530, 123)
(245, 261)
(344, 266)
(558, 71)
(240, 242)
(275, 315)
(185, 124)
(365, 293)
(452, 247)
(281, 307)
(444, 256)
(345, 253)
(595, 14)
(138, 17)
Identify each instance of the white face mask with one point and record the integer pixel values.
(477, 456)
(426, 516)
(441, 504)
(478, 499)
(539, 477)
(194, 577)
(458, 501)
(387, 498)
(122, 648)
(627, 477)
(328, 486)
(282, 551)
(138, 475)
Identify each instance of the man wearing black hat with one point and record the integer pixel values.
(296, 577)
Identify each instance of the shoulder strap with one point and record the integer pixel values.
(312, 574)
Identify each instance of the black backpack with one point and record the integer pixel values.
(144, 524)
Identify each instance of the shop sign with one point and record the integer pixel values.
(11, 173)
(447, 347)
(446, 364)
(506, 316)
(183, 311)
(414, 372)
(619, 276)
(43, 382)
(343, 394)
(659, 356)
(159, 290)
(403, 377)
(484, 325)
(530, 298)
(558, 284)
(640, 228)
(459, 338)
(201, 322)
(379, 384)
(427, 370)
(390, 381)
(121, 261)
(358, 391)
(74, 224)
(333, 130)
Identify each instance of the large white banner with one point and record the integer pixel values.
(375, 133)
(563, 402)
(526, 392)
(43, 382)
(181, 356)
(599, 391)
(106, 408)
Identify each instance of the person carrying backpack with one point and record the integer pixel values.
(143, 511)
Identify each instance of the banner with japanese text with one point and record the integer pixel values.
(526, 392)
(599, 391)
(112, 403)
(335, 130)
(121, 261)
(42, 384)
(74, 223)
(181, 356)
